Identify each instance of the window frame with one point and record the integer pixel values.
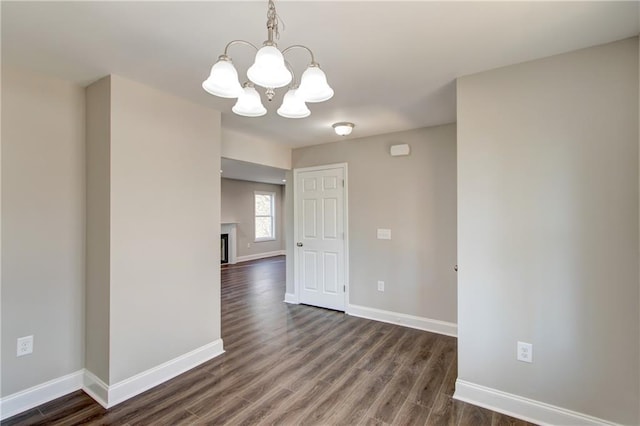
(273, 237)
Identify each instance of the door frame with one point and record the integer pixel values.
(345, 220)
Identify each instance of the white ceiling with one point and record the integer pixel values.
(392, 64)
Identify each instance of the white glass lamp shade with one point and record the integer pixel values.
(268, 69)
(293, 106)
(343, 128)
(314, 86)
(223, 80)
(249, 103)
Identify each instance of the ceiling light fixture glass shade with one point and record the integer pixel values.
(223, 79)
(249, 103)
(314, 86)
(343, 128)
(271, 71)
(293, 106)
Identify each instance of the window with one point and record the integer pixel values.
(265, 207)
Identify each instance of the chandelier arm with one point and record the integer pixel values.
(231, 43)
(294, 83)
(313, 59)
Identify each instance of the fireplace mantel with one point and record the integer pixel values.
(230, 228)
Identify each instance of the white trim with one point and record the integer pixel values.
(96, 388)
(103, 394)
(291, 298)
(296, 267)
(296, 255)
(524, 408)
(260, 255)
(272, 237)
(29, 398)
(412, 321)
(346, 236)
(141, 382)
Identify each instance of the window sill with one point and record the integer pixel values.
(262, 240)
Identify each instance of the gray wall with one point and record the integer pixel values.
(548, 230)
(415, 197)
(237, 205)
(43, 201)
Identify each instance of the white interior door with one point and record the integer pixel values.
(320, 216)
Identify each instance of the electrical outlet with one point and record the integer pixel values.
(248, 245)
(380, 285)
(525, 352)
(25, 346)
(384, 234)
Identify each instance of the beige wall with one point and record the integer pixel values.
(165, 227)
(43, 201)
(237, 205)
(239, 146)
(415, 197)
(98, 242)
(548, 230)
(152, 264)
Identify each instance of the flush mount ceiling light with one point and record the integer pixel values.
(271, 71)
(343, 128)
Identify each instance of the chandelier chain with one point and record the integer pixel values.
(273, 21)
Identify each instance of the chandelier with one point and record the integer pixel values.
(271, 71)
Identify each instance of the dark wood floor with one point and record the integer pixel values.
(294, 364)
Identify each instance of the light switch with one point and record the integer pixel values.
(384, 234)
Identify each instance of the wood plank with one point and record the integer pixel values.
(407, 384)
(413, 414)
(446, 411)
(293, 409)
(432, 377)
(262, 408)
(477, 416)
(500, 419)
(321, 411)
(29, 417)
(356, 405)
(221, 414)
(371, 422)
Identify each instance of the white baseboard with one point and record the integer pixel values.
(39, 394)
(420, 323)
(260, 255)
(523, 408)
(103, 394)
(141, 382)
(96, 388)
(291, 298)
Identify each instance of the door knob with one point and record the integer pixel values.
(299, 244)
(455, 268)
